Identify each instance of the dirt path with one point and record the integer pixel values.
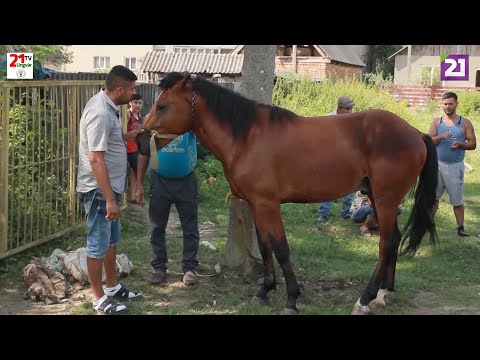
(12, 297)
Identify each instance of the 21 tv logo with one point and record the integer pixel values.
(19, 66)
(454, 67)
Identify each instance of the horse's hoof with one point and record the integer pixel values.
(287, 311)
(379, 301)
(376, 303)
(258, 300)
(359, 309)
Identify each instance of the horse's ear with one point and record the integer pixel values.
(187, 80)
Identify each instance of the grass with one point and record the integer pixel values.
(332, 261)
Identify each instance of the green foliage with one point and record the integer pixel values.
(310, 98)
(382, 54)
(430, 76)
(469, 104)
(207, 167)
(377, 79)
(39, 188)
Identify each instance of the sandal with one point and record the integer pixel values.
(110, 307)
(124, 293)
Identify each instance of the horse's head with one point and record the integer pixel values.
(173, 110)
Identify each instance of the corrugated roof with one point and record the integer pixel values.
(343, 53)
(163, 62)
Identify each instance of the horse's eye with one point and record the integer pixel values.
(161, 107)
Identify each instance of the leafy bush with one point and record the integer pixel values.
(38, 190)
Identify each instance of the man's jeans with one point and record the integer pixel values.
(324, 208)
(362, 212)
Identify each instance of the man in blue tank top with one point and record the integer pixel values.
(452, 135)
(173, 182)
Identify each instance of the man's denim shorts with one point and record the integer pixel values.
(102, 233)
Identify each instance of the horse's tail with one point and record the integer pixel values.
(421, 218)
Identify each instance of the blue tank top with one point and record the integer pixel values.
(444, 152)
(178, 158)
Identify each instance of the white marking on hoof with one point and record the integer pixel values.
(287, 311)
(379, 301)
(359, 309)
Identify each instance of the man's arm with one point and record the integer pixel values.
(132, 134)
(142, 166)
(433, 132)
(99, 169)
(470, 138)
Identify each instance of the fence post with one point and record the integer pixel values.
(4, 109)
(72, 128)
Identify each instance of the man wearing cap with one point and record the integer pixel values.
(344, 106)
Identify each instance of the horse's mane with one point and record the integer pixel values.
(230, 107)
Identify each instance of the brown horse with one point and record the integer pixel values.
(272, 156)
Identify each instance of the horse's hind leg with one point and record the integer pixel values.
(271, 236)
(388, 282)
(387, 220)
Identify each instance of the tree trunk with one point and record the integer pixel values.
(242, 250)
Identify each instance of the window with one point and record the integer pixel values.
(101, 62)
(194, 50)
(131, 63)
(430, 75)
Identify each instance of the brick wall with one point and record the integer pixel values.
(336, 71)
(318, 70)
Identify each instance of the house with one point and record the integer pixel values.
(316, 61)
(319, 62)
(195, 49)
(422, 67)
(101, 58)
(222, 67)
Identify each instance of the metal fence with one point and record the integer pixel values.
(38, 158)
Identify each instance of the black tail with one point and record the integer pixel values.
(421, 219)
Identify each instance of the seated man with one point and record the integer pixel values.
(363, 212)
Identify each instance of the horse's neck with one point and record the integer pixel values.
(217, 137)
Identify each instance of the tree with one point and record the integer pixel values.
(257, 84)
(378, 59)
(52, 54)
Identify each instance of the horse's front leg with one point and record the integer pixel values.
(271, 236)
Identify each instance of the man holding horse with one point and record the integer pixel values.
(452, 135)
(172, 181)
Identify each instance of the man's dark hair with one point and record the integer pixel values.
(136, 97)
(118, 76)
(449, 94)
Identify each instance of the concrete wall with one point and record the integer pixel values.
(83, 55)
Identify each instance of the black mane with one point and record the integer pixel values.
(230, 107)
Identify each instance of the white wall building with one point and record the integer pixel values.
(101, 58)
